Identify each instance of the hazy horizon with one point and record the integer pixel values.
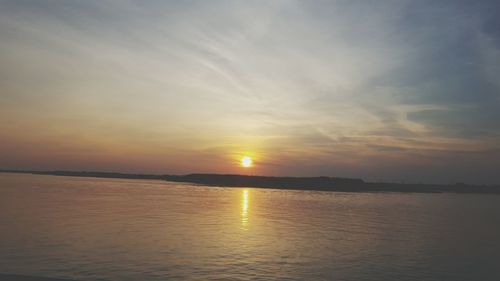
(386, 90)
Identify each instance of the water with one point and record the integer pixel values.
(113, 229)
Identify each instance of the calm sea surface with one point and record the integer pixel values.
(112, 229)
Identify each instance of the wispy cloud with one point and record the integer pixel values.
(337, 86)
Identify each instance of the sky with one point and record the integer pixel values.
(380, 90)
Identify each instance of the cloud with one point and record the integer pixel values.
(345, 84)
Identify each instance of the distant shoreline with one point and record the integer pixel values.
(292, 183)
(16, 277)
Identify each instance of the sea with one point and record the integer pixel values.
(81, 228)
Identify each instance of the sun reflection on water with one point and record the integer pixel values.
(244, 209)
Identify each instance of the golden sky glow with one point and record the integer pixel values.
(303, 88)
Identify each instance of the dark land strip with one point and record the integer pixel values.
(293, 183)
(15, 277)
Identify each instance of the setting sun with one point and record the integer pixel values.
(246, 161)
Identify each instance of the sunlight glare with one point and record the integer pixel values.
(244, 209)
(246, 162)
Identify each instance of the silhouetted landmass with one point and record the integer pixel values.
(15, 277)
(297, 183)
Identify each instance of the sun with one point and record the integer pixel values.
(246, 162)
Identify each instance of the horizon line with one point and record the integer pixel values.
(48, 172)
